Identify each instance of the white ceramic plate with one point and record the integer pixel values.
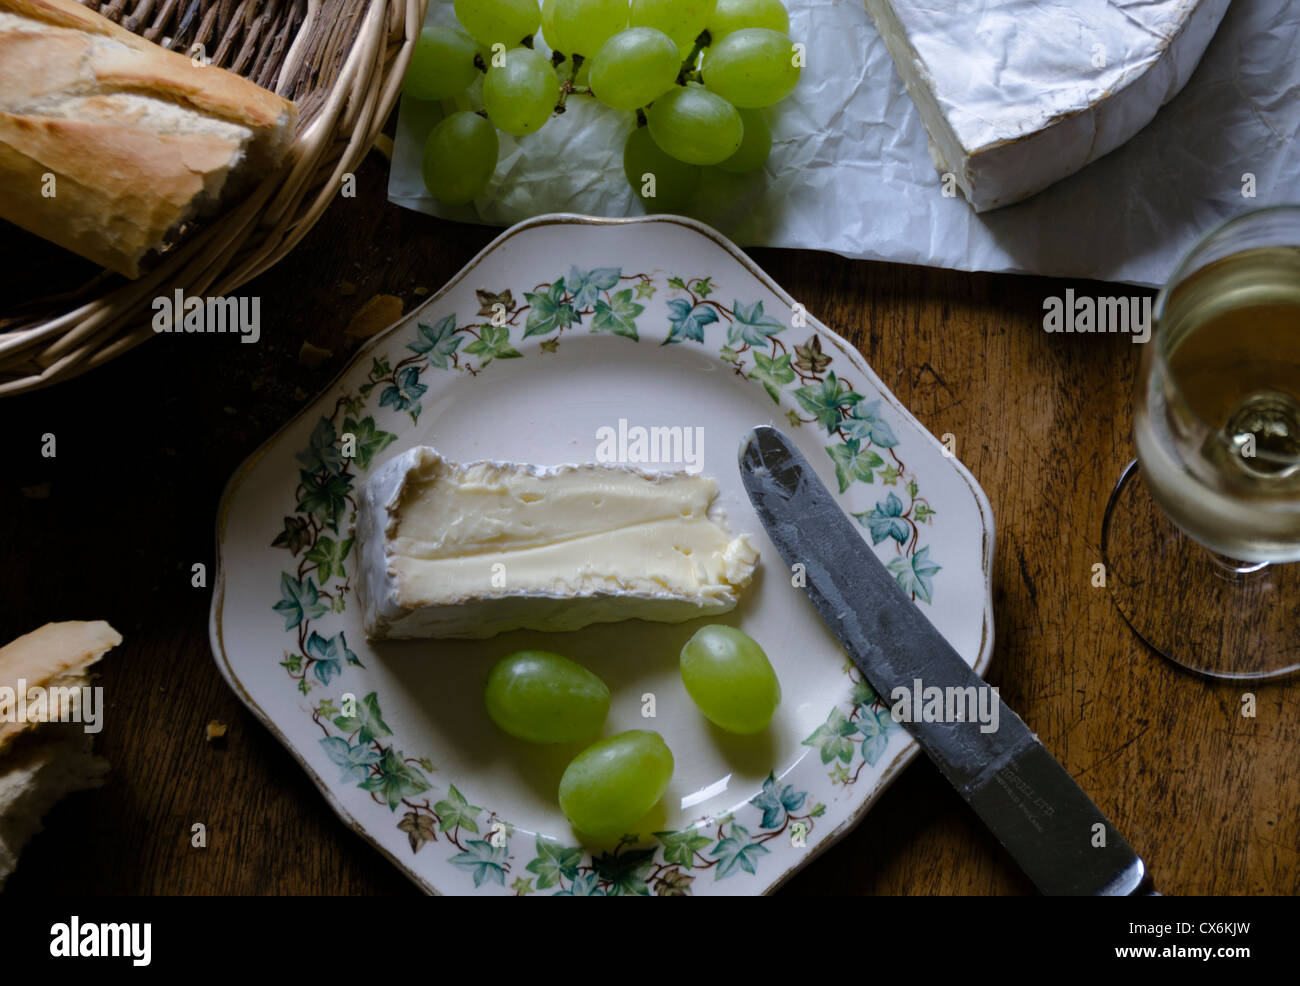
(654, 322)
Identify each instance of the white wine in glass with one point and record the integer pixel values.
(1202, 534)
(1218, 427)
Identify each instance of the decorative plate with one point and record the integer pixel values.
(571, 339)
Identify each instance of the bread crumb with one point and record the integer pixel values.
(374, 316)
(347, 288)
(41, 491)
(420, 292)
(215, 730)
(313, 356)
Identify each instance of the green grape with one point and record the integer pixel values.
(582, 26)
(675, 182)
(735, 15)
(681, 20)
(459, 158)
(610, 786)
(634, 67)
(521, 94)
(751, 67)
(695, 125)
(442, 65)
(754, 146)
(545, 698)
(730, 679)
(505, 22)
(548, 22)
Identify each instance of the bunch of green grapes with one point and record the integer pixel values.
(697, 73)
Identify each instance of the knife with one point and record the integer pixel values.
(1041, 816)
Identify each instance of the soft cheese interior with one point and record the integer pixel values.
(451, 550)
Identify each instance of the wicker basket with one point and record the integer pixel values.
(342, 61)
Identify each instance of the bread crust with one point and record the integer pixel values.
(149, 67)
(56, 653)
(138, 139)
(118, 202)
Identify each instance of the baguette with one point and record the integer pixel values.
(138, 139)
(54, 655)
(42, 762)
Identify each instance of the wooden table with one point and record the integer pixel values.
(145, 446)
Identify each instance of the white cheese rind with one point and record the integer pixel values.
(1018, 94)
(472, 550)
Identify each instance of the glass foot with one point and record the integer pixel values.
(1212, 615)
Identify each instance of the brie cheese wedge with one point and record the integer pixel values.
(473, 550)
(1018, 94)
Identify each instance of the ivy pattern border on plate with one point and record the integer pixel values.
(857, 437)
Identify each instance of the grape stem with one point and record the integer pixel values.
(688, 66)
(567, 88)
(567, 85)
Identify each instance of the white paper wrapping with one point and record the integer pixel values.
(851, 171)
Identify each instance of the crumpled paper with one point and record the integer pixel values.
(850, 170)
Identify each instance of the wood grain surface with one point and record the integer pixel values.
(1211, 799)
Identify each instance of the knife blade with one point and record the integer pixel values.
(1061, 840)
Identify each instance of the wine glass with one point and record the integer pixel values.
(1201, 536)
